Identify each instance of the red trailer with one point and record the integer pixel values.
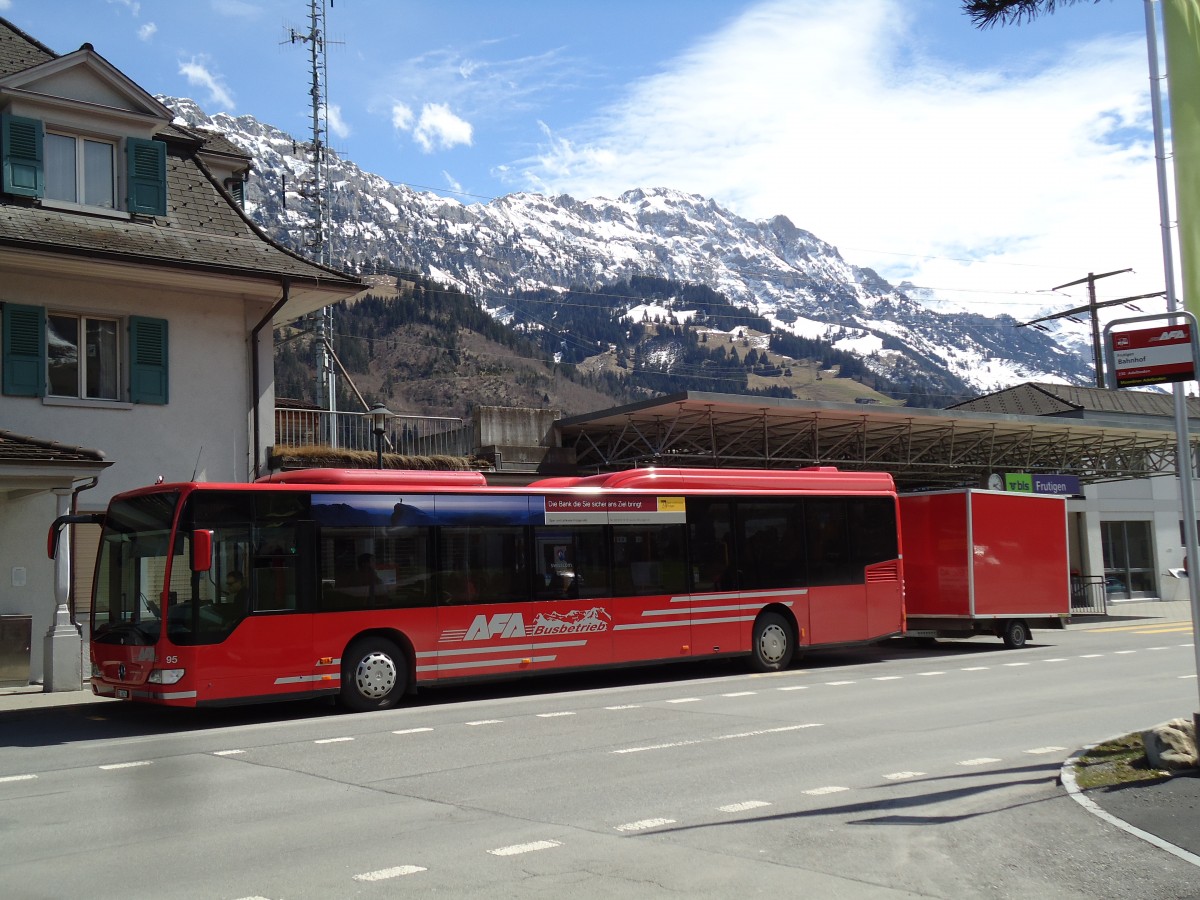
(984, 562)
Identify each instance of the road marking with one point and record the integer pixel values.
(1046, 750)
(832, 789)
(128, 765)
(227, 752)
(1091, 656)
(931, 673)
(412, 731)
(836, 683)
(1016, 664)
(643, 824)
(554, 715)
(517, 849)
(626, 706)
(981, 761)
(1158, 648)
(794, 687)
(1056, 659)
(723, 737)
(685, 700)
(336, 740)
(743, 807)
(1187, 676)
(1124, 652)
(18, 778)
(486, 722)
(393, 872)
(887, 678)
(899, 776)
(741, 694)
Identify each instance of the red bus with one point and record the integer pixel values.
(366, 584)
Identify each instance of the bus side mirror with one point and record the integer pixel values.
(73, 519)
(202, 547)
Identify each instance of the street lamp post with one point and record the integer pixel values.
(379, 416)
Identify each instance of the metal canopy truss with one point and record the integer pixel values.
(920, 447)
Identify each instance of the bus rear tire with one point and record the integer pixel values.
(773, 643)
(374, 675)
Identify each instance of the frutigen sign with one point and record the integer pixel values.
(1153, 355)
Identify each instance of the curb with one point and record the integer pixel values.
(1067, 776)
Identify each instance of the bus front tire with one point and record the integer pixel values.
(374, 675)
(773, 643)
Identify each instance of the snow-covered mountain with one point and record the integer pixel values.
(528, 241)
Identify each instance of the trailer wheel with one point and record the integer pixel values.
(374, 675)
(773, 643)
(1015, 634)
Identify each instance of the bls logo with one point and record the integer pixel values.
(1177, 335)
(505, 625)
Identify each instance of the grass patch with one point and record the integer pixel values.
(1116, 762)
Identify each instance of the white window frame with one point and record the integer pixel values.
(80, 157)
(82, 360)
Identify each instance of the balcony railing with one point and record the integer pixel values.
(405, 435)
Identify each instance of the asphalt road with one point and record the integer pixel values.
(888, 772)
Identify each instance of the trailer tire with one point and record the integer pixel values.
(374, 675)
(1015, 634)
(772, 643)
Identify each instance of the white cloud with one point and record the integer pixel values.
(402, 117)
(5, 5)
(147, 31)
(438, 128)
(132, 5)
(337, 125)
(197, 74)
(834, 115)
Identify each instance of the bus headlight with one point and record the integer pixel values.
(97, 670)
(165, 676)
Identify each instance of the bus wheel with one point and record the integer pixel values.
(374, 675)
(1015, 634)
(773, 643)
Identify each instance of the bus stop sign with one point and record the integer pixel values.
(1152, 355)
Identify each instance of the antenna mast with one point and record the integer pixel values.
(315, 189)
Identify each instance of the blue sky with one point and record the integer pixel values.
(988, 165)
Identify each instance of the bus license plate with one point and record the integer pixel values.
(122, 694)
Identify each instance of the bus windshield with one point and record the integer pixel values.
(134, 551)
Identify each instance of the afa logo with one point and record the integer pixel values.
(1177, 335)
(506, 626)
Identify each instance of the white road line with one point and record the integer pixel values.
(832, 789)
(1158, 648)
(976, 668)
(741, 694)
(1046, 750)
(900, 776)
(554, 715)
(485, 722)
(336, 740)
(1187, 645)
(685, 700)
(643, 824)
(393, 872)
(1187, 676)
(837, 683)
(1125, 652)
(723, 737)
(1017, 664)
(794, 687)
(887, 678)
(981, 761)
(412, 731)
(18, 778)
(517, 849)
(931, 673)
(1091, 656)
(227, 752)
(743, 807)
(1056, 659)
(626, 706)
(128, 765)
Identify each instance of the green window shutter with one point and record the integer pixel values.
(24, 350)
(21, 147)
(238, 189)
(146, 177)
(147, 360)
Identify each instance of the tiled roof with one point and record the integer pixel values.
(19, 448)
(1045, 399)
(18, 51)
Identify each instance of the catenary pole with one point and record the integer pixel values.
(1184, 462)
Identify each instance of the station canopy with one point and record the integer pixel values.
(921, 448)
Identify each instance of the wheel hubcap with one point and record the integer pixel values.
(773, 644)
(376, 675)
